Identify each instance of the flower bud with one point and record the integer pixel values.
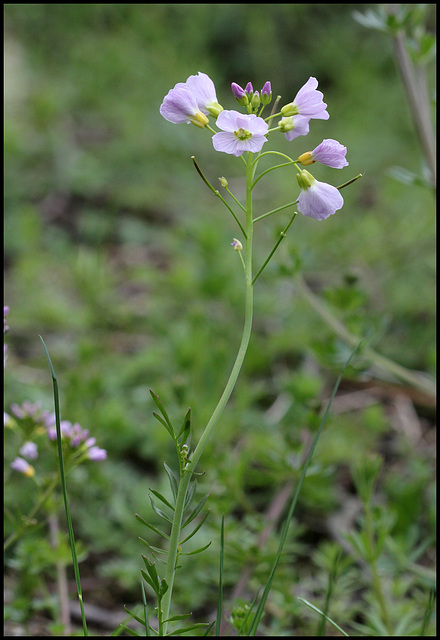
(255, 102)
(223, 182)
(249, 89)
(237, 245)
(266, 93)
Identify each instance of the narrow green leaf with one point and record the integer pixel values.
(153, 549)
(165, 424)
(159, 405)
(190, 493)
(209, 628)
(163, 588)
(130, 631)
(196, 529)
(147, 578)
(144, 602)
(159, 512)
(259, 613)
(181, 617)
(134, 615)
(150, 526)
(151, 568)
(162, 498)
(220, 581)
(198, 625)
(196, 511)
(173, 480)
(193, 553)
(324, 616)
(186, 425)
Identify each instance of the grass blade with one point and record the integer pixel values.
(325, 617)
(220, 581)
(259, 612)
(64, 488)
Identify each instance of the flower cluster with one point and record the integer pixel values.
(194, 100)
(32, 421)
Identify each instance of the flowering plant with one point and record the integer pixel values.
(242, 134)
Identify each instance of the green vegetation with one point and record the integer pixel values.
(118, 255)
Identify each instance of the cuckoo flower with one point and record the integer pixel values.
(329, 152)
(294, 126)
(203, 89)
(317, 200)
(239, 133)
(21, 465)
(191, 101)
(180, 105)
(308, 102)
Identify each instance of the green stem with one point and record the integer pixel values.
(190, 468)
(377, 584)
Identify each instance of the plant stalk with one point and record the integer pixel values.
(173, 550)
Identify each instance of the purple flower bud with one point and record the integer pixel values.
(237, 91)
(267, 89)
(249, 88)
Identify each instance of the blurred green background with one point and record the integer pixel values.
(119, 256)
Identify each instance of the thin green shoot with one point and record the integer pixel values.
(324, 616)
(64, 488)
(259, 612)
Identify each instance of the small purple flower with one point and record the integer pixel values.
(29, 450)
(294, 126)
(239, 133)
(96, 454)
(204, 90)
(27, 410)
(21, 465)
(329, 152)
(180, 105)
(308, 102)
(317, 200)
(191, 101)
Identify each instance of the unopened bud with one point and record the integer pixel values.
(255, 102)
(237, 245)
(223, 182)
